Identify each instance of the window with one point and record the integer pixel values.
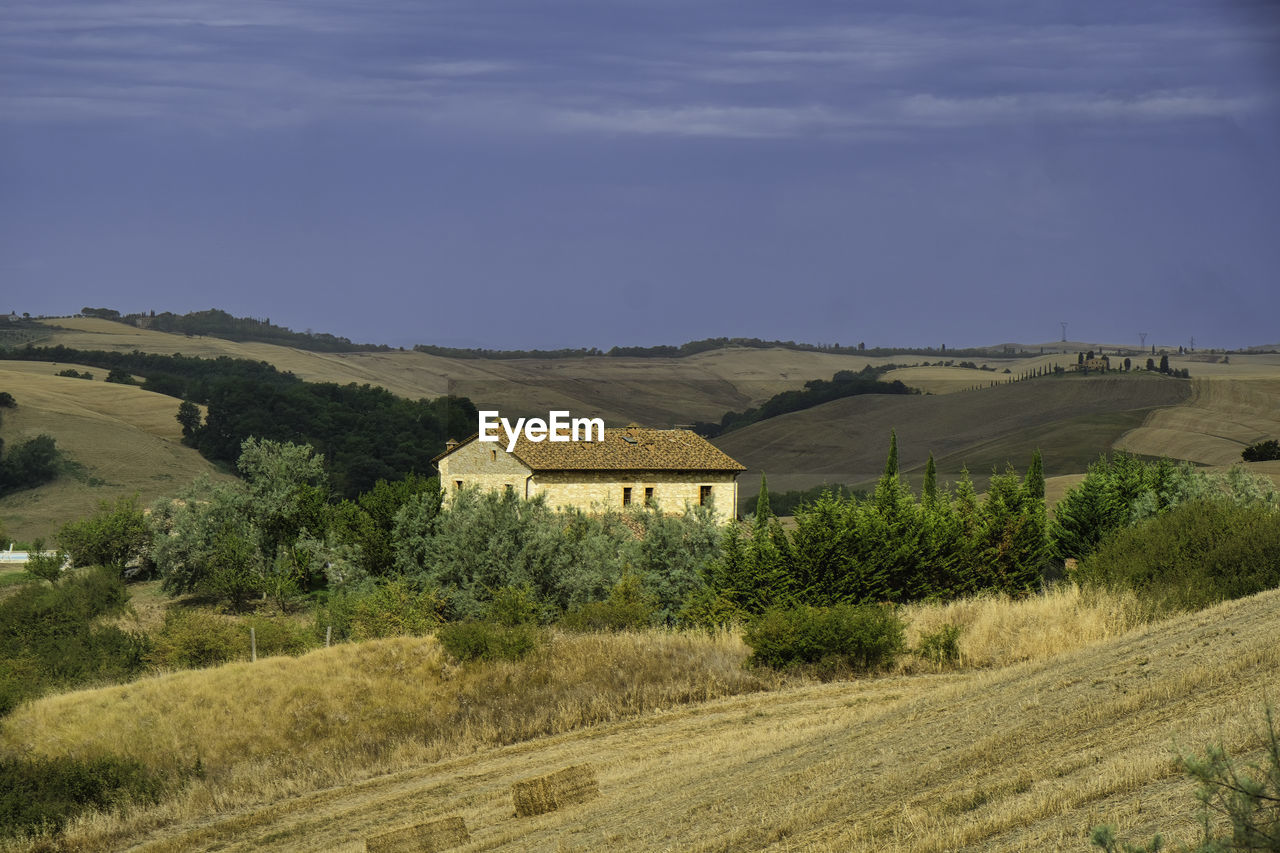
(457, 484)
(626, 496)
(704, 495)
(648, 495)
(493, 456)
(510, 489)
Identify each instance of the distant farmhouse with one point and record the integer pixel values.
(670, 468)
(1100, 364)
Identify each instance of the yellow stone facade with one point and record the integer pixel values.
(488, 466)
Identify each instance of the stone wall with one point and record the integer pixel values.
(485, 465)
(603, 490)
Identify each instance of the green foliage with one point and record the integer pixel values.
(45, 565)
(190, 418)
(49, 636)
(121, 377)
(29, 464)
(860, 638)
(786, 503)
(41, 795)
(220, 324)
(1194, 555)
(488, 641)
(366, 433)
(628, 608)
(7, 401)
(1261, 451)
(194, 639)
(1239, 806)
(72, 373)
(941, 646)
(116, 534)
(387, 609)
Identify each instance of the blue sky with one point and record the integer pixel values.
(546, 174)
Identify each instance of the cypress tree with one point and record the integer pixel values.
(1034, 481)
(891, 464)
(929, 491)
(763, 512)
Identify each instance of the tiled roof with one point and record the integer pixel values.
(632, 448)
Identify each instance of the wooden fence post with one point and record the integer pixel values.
(253, 645)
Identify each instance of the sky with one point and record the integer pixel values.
(577, 173)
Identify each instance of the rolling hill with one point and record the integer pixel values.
(1025, 757)
(121, 439)
(1071, 419)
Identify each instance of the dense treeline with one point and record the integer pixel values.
(220, 324)
(367, 433)
(891, 546)
(845, 383)
(704, 345)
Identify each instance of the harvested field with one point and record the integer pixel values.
(1221, 417)
(1025, 757)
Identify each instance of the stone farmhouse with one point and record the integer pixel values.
(634, 466)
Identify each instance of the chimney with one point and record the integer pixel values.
(450, 445)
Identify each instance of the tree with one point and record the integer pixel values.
(189, 416)
(6, 400)
(116, 534)
(929, 491)
(1164, 363)
(1127, 364)
(891, 463)
(763, 512)
(1262, 451)
(1034, 482)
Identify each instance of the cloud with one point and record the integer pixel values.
(796, 73)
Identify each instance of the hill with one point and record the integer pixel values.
(121, 439)
(1029, 756)
(1071, 419)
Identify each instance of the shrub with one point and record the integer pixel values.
(1194, 555)
(40, 795)
(628, 608)
(192, 639)
(114, 535)
(1262, 451)
(486, 641)
(861, 638)
(391, 609)
(940, 646)
(279, 636)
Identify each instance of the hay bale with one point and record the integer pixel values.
(565, 787)
(423, 838)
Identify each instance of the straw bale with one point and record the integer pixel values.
(427, 837)
(575, 784)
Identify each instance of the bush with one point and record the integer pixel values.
(48, 637)
(193, 639)
(861, 638)
(41, 795)
(628, 608)
(486, 641)
(114, 535)
(391, 609)
(1196, 554)
(941, 646)
(279, 636)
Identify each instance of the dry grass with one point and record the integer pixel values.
(997, 631)
(1023, 757)
(429, 837)
(125, 440)
(547, 793)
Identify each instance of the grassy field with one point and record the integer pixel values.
(123, 441)
(1064, 717)
(1072, 420)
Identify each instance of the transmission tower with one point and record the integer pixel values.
(1143, 337)
(1064, 331)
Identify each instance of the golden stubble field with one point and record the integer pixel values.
(1020, 756)
(125, 441)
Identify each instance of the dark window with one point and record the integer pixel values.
(510, 489)
(648, 495)
(457, 484)
(493, 456)
(626, 496)
(704, 495)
